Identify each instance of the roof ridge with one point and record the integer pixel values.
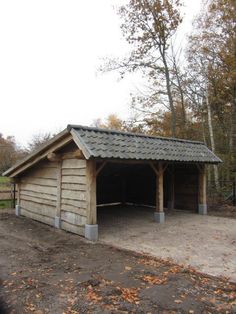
(89, 128)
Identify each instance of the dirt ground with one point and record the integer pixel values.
(44, 270)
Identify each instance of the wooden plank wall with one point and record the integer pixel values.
(38, 192)
(73, 195)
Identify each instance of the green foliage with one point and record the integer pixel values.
(4, 180)
(5, 204)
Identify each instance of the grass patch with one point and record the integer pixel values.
(5, 204)
(4, 180)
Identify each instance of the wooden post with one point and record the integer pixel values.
(202, 202)
(91, 228)
(159, 214)
(171, 198)
(18, 208)
(59, 188)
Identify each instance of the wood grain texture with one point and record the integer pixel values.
(73, 218)
(39, 188)
(73, 163)
(73, 195)
(40, 209)
(91, 193)
(37, 194)
(73, 171)
(159, 188)
(73, 187)
(74, 179)
(40, 181)
(202, 198)
(77, 210)
(72, 228)
(45, 219)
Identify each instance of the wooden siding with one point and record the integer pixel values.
(38, 192)
(73, 195)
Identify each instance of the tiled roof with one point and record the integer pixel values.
(102, 143)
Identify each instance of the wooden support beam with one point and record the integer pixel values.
(71, 155)
(38, 156)
(100, 168)
(53, 157)
(159, 189)
(91, 192)
(202, 182)
(59, 189)
(151, 164)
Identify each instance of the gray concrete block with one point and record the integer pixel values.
(159, 217)
(18, 210)
(91, 232)
(202, 209)
(57, 222)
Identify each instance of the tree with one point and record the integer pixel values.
(10, 153)
(149, 26)
(212, 66)
(38, 140)
(111, 122)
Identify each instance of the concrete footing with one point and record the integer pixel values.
(202, 209)
(57, 222)
(91, 232)
(159, 217)
(18, 210)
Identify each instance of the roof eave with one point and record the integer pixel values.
(15, 169)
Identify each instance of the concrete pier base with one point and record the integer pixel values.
(57, 222)
(91, 232)
(202, 209)
(18, 210)
(159, 217)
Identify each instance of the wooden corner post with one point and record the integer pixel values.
(91, 227)
(202, 186)
(57, 222)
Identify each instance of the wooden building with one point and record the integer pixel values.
(62, 183)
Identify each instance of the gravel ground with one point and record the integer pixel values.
(207, 243)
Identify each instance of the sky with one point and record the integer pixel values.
(50, 52)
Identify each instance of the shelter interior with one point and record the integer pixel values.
(136, 184)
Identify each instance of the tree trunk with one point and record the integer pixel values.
(181, 97)
(212, 140)
(170, 98)
(232, 140)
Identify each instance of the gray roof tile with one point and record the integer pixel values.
(102, 143)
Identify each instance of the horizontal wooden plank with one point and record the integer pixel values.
(74, 172)
(38, 194)
(37, 199)
(77, 210)
(73, 218)
(72, 228)
(44, 219)
(40, 181)
(39, 188)
(73, 187)
(74, 203)
(40, 209)
(73, 163)
(73, 195)
(47, 173)
(74, 179)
